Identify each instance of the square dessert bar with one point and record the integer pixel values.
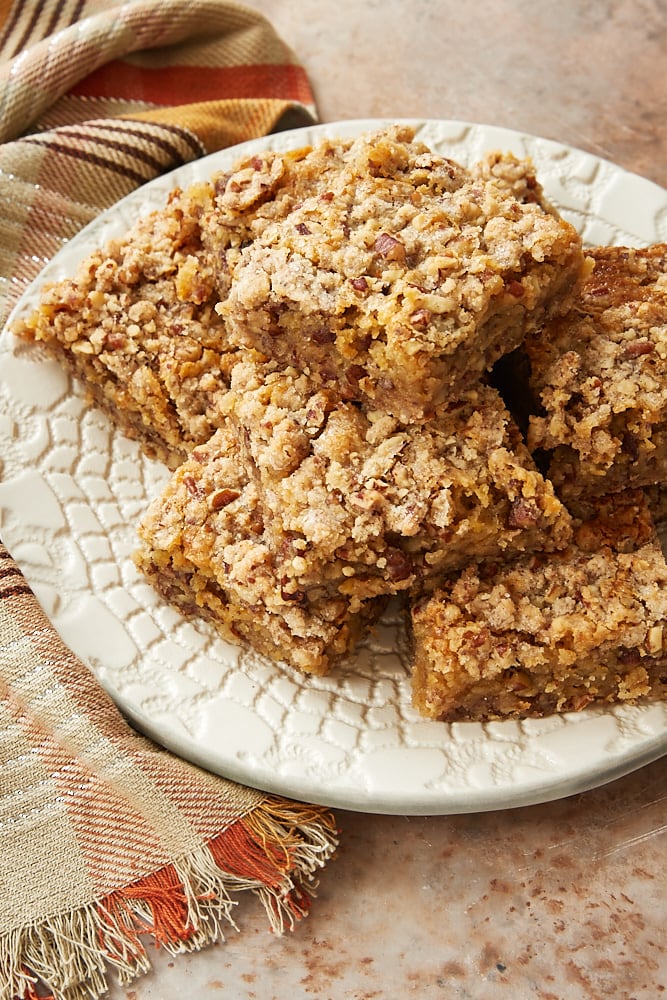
(402, 276)
(544, 634)
(208, 548)
(137, 325)
(372, 506)
(599, 378)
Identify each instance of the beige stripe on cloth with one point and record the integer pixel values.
(105, 837)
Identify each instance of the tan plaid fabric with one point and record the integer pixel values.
(104, 837)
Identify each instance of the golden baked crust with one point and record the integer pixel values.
(208, 546)
(402, 276)
(137, 325)
(549, 634)
(600, 376)
(391, 505)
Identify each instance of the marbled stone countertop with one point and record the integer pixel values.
(560, 901)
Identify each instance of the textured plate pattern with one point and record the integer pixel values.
(72, 490)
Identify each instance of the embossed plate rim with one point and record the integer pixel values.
(365, 758)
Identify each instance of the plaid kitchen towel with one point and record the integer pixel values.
(106, 839)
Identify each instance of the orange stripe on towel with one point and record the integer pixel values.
(176, 85)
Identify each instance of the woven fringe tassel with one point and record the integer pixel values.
(274, 852)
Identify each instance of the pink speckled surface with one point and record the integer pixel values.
(550, 902)
(563, 901)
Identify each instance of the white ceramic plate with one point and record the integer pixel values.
(73, 488)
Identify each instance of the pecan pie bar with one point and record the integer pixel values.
(599, 375)
(137, 325)
(544, 634)
(403, 276)
(377, 506)
(208, 547)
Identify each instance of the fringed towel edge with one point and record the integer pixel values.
(274, 851)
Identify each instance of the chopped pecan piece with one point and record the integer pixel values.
(523, 513)
(221, 498)
(389, 247)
